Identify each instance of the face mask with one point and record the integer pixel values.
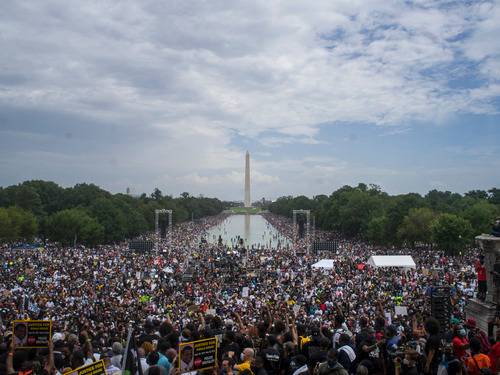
(462, 332)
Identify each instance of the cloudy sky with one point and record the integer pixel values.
(170, 94)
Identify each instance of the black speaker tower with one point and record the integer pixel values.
(441, 306)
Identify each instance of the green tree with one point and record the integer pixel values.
(376, 230)
(417, 226)
(6, 228)
(477, 194)
(52, 196)
(109, 215)
(24, 225)
(28, 199)
(121, 215)
(494, 196)
(396, 210)
(83, 195)
(444, 201)
(156, 194)
(359, 207)
(481, 215)
(74, 225)
(451, 233)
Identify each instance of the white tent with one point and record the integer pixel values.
(324, 263)
(402, 261)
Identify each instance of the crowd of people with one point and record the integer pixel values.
(271, 312)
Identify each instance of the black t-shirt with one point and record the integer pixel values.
(344, 359)
(259, 371)
(409, 370)
(364, 338)
(272, 360)
(433, 344)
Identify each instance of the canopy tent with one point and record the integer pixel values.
(402, 261)
(324, 263)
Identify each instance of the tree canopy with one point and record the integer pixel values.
(365, 211)
(87, 214)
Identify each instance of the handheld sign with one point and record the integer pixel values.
(197, 355)
(400, 310)
(245, 291)
(95, 368)
(32, 333)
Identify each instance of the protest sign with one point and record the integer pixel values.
(32, 333)
(400, 310)
(95, 368)
(388, 318)
(244, 292)
(296, 309)
(197, 355)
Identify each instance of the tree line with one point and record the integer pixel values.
(444, 219)
(87, 214)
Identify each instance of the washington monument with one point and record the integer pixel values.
(248, 202)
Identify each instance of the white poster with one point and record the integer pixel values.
(400, 310)
(244, 292)
(388, 318)
(296, 309)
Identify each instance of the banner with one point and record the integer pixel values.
(95, 368)
(197, 355)
(32, 333)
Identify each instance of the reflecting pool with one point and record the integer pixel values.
(253, 229)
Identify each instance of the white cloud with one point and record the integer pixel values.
(249, 67)
(198, 75)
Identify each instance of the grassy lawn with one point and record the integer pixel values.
(245, 210)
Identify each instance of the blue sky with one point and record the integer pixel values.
(146, 94)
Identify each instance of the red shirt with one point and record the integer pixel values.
(481, 271)
(494, 355)
(457, 343)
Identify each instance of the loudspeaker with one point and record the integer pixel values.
(441, 306)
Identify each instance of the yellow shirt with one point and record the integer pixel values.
(243, 366)
(303, 341)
